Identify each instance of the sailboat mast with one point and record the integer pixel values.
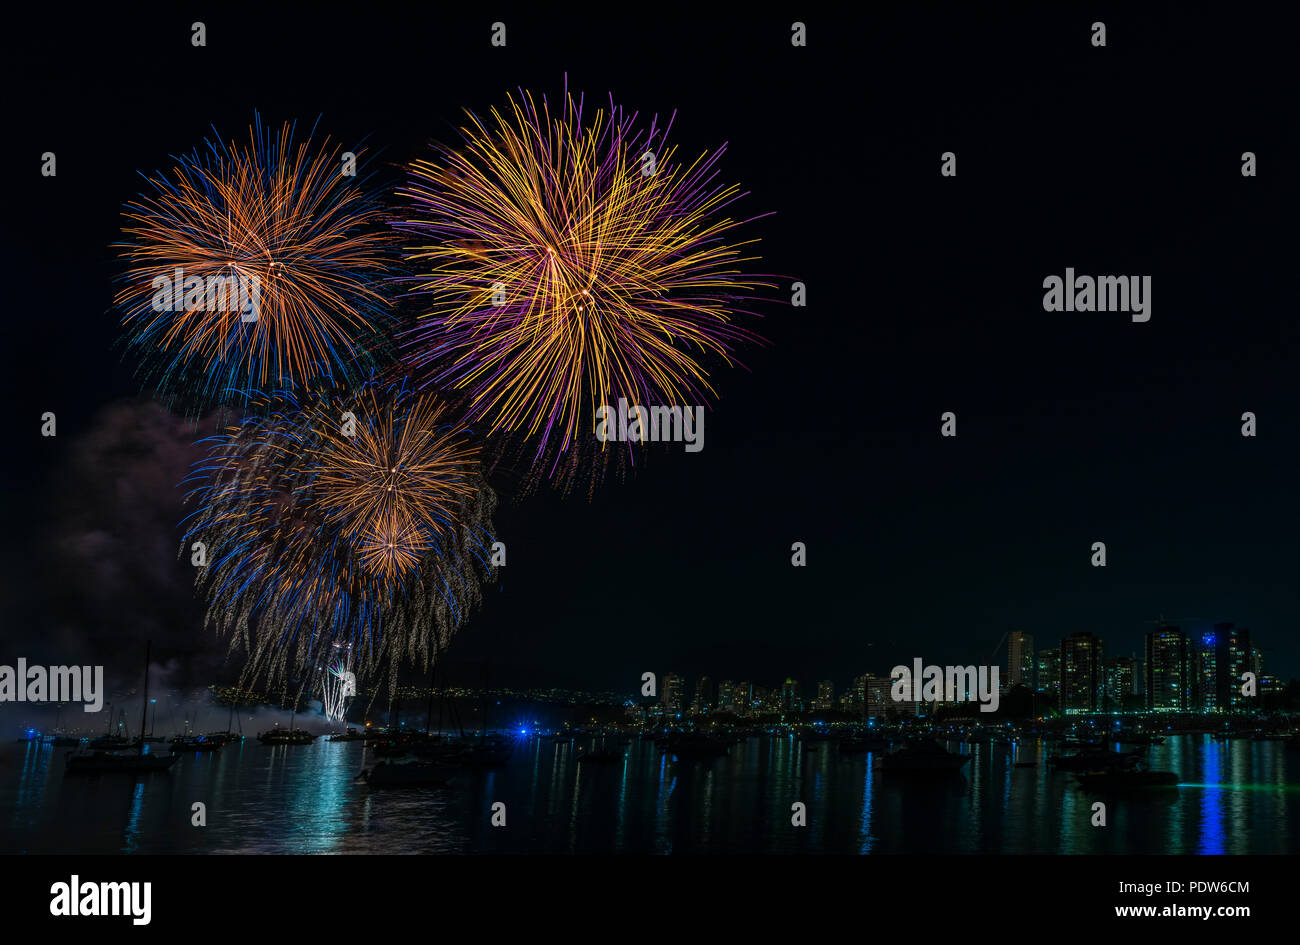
(483, 736)
(144, 709)
(428, 714)
(441, 698)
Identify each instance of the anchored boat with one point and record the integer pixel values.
(927, 756)
(122, 762)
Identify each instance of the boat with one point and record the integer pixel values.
(408, 774)
(488, 751)
(115, 762)
(285, 736)
(391, 749)
(928, 756)
(185, 743)
(1093, 759)
(122, 762)
(1138, 738)
(438, 748)
(111, 742)
(351, 735)
(61, 738)
(1132, 776)
(693, 746)
(483, 751)
(229, 735)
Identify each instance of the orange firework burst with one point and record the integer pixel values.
(572, 264)
(388, 487)
(355, 519)
(255, 267)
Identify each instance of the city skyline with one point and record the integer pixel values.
(1191, 671)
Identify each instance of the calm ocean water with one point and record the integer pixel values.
(1236, 797)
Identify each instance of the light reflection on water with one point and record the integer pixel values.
(1235, 797)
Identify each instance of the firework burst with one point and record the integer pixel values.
(255, 267)
(338, 684)
(571, 263)
(351, 519)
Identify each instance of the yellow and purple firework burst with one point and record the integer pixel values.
(571, 260)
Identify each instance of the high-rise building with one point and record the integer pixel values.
(726, 696)
(1223, 654)
(1166, 671)
(703, 701)
(1082, 679)
(1121, 673)
(1049, 673)
(880, 699)
(855, 697)
(790, 700)
(743, 698)
(674, 695)
(860, 687)
(1020, 659)
(825, 700)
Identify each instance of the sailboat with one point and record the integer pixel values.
(113, 762)
(109, 740)
(492, 749)
(289, 736)
(195, 743)
(61, 738)
(923, 755)
(151, 737)
(229, 735)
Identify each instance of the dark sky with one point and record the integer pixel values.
(925, 295)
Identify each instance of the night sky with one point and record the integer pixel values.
(924, 295)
